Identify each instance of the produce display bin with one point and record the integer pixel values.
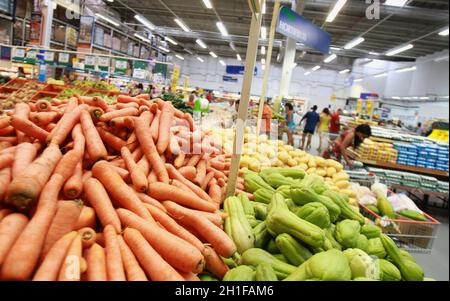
(16, 83)
(54, 88)
(413, 236)
(43, 94)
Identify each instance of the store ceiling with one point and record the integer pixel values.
(419, 19)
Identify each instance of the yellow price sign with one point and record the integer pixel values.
(369, 107)
(186, 82)
(359, 104)
(333, 98)
(175, 77)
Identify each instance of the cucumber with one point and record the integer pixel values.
(412, 214)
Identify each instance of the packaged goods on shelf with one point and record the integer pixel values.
(377, 151)
(422, 155)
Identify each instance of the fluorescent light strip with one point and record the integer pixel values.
(171, 41)
(182, 25)
(399, 49)
(424, 98)
(222, 63)
(398, 3)
(145, 22)
(233, 46)
(208, 4)
(406, 69)
(380, 75)
(164, 49)
(142, 38)
(263, 32)
(442, 58)
(330, 58)
(200, 59)
(107, 19)
(238, 56)
(335, 48)
(316, 68)
(336, 9)
(263, 61)
(213, 54)
(263, 8)
(201, 43)
(180, 57)
(263, 50)
(396, 97)
(444, 32)
(222, 29)
(354, 43)
(307, 73)
(358, 80)
(344, 71)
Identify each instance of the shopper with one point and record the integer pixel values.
(350, 138)
(210, 96)
(323, 127)
(192, 98)
(137, 90)
(290, 123)
(267, 119)
(312, 119)
(335, 123)
(21, 72)
(419, 129)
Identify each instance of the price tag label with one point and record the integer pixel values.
(120, 64)
(31, 54)
(19, 53)
(49, 56)
(139, 73)
(103, 61)
(89, 60)
(63, 58)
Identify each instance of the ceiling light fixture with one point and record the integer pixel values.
(233, 46)
(213, 54)
(208, 4)
(442, 58)
(145, 22)
(398, 3)
(142, 38)
(222, 63)
(396, 97)
(263, 8)
(200, 59)
(330, 58)
(424, 98)
(381, 75)
(354, 43)
(107, 19)
(222, 29)
(335, 48)
(263, 61)
(171, 41)
(406, 69)
(444, 32)
(399, 49)
(307, 73)
(358, 80)
(263, 32)
(182, 25)
(263, 50)
(238, 56)
(344, 71)
(201, 43)
(336, 9)
(316, 68)
(164, 49)
(180, 57)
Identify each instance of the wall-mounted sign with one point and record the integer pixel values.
(302, 30)
(19, 54)
(231, 79)
(369, 96)
(238, 70)
(5, 53)
(31, 57)
(121, 66)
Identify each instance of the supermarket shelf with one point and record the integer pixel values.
(384, 140)
(420, 190)
(433, 172)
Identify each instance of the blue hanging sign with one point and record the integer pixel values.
(302, 30)
(231, 79)
(369, 96)
(238, 70)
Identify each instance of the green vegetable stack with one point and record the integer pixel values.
(297, 229)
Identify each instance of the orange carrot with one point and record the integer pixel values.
(97, 101)
(143, 96)
(162, 192)
(78, 139)
(180, 185)
(149, 149)
(126, 99)
(88, 237)
(154, 127)
(218, 165)
(112, 141)
(151, 261)
(94, 144)
(119, 113)
(215, 193)
(74, 184)
(176, 251)
(12, 140)
(10, 228)
(6, 131)
(133, 270)
(114, 264)
(194, 160)
(214, 263)
(217, 173)
(65, 125)
(5, 179)
(25, 154)
(21, 260)
(99, 200)
(189, 118)
(201, 172)
(150, 201)
(144, 166)
(152, 178)
(4, 121)
(29, 128)
(24, 189)
(6, 160)
(121, 106)
(51, 265)
(43, 118)
(67, 164)
(221, 182)
(175, 174)
(123, 173)
(21, 111)
(189, 276)
(122, 122)
(43, 106)
(189, 172)
(96, 261)
(96, 113)
(86, 218)
(165, 122)
(71, 267)
(179, 160)
(6, 212)
(138, 177)
(137, 154)
(220, 241)
(206, 180)
(100, 239)
(118, 189)
(64, 221)
(171, 225)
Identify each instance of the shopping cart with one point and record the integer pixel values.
(410, 235)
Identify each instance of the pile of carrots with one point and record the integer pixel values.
(98, 192)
